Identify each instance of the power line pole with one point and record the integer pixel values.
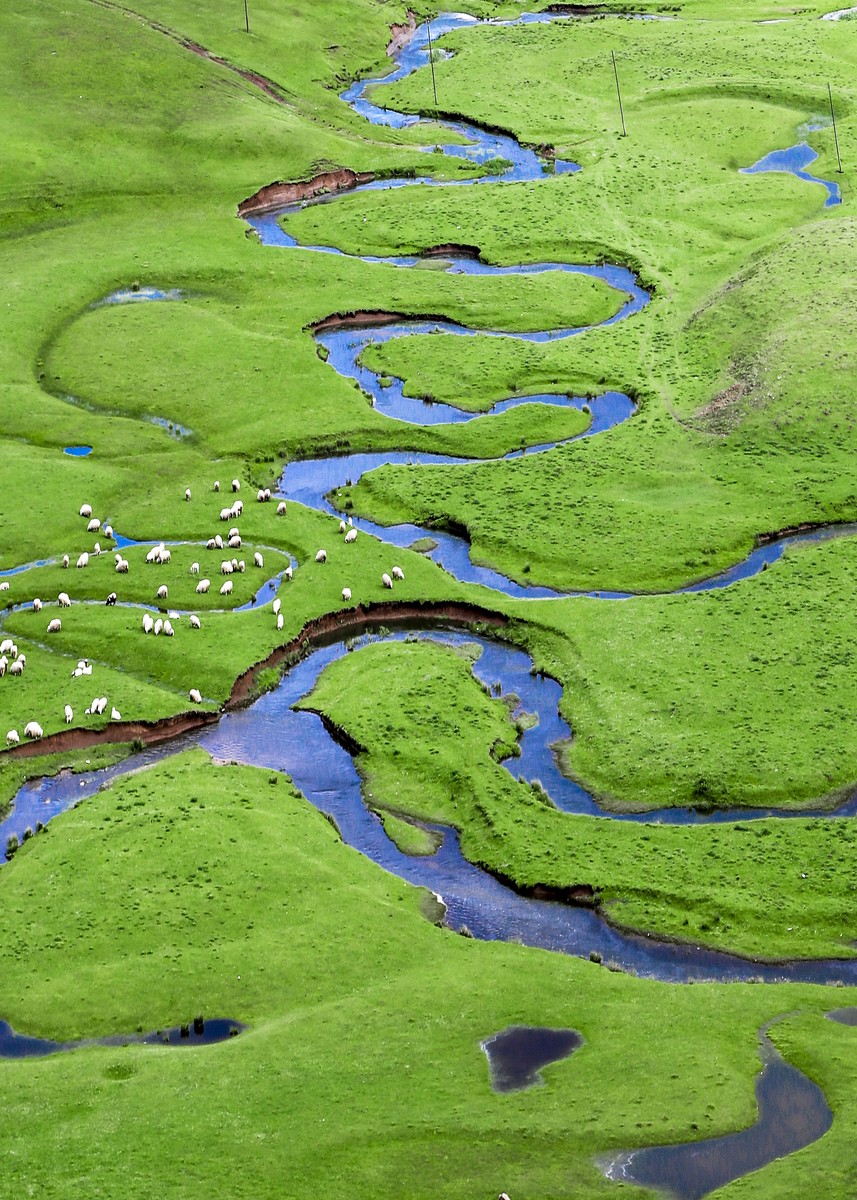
(619, 94)
(431, 62)
(835, 134)
(246, 17)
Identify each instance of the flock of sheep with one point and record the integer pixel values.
(160, 554)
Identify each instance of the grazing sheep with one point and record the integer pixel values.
(168, 629)
(69, 714)
(281, 509)
(22, 659)
(226, 588)
(217, 485)
(4, 586)
(287, 574)
(342, 527)
(203, 586)
(108, 531)
(226, 567)
(237, 509)
(258, 561)
(350, 537)
(194, 568)
(111, 600)
(86, 510)
(236, 486)
(158, 626)
(37, 605)
(218, 542)
(148, 623)
(17, 667)
(398, 573)
(242, 566)
(386, 580)
(12, 738)
(260, 495)
(115, 714)
(346, 594)
(4, 663)
(121, 566)
(93, 526)
(6, 645)
(195, 622)
(65, 560)
(165, 555)
(234, 532)
(321, 556)
(55, 625)
(280, 621)
(153, 555)
(225, 514)
(209, 545)
(83, 560)
(187, 493)
(277, 605)
(163, 592)
(33, 730)
(234, 542)
(63, 600)
(195, 696)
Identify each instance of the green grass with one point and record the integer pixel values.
(362, 1063)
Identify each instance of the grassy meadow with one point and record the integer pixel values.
(192, 888)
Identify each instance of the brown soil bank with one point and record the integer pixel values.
(400, 35)
(363, 317)
(280, 195)
(328, 628)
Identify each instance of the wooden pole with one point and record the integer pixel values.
(431, 63)
(619, 94)
(246, 17)
(835, 134)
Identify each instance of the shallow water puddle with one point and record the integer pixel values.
(516, 1055)
(195, 1033)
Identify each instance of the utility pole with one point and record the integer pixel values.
(246, 17)
(835, 134)
(619, 94)
(431, 61)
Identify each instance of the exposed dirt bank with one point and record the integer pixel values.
(400, 35)
(280, 195)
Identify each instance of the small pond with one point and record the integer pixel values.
(516, 1056)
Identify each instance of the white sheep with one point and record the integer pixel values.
(398, 573)
(165, 556)
(65, 560)
(158, 626)
(209, 545)
(242, 566)
(281, 509)
(83, 560)
(226, 588)
(226, 567)
(260, 495)
(277, 605)
(148, 623)
(93, 526)
(153, 555)
(4, 586)
(321, 556)
(234, 542)
(217, 485)
(234, 532)
(115, 714)
(17, 667)
(225, 514)
(168, 629)
(55, 625)
(163, 592)
(258, 561)
(346, 594)
(386, 580)
(287, 574)
(195, 696)
(69, 714)
(4, 663)
(33, 730)
(218, 542)
(111, 599)
(203, 586)
(236, 486)
(12, 738)
(194, 568)
(86, 510)
(121, 565)
(63, 600)
(195, 622)
(237, 509)
(342, 527)
(187, 493)
(37, 605)
(6, 645)
(280, 621)
(108, 531)
(350, 537)
(96, 549)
